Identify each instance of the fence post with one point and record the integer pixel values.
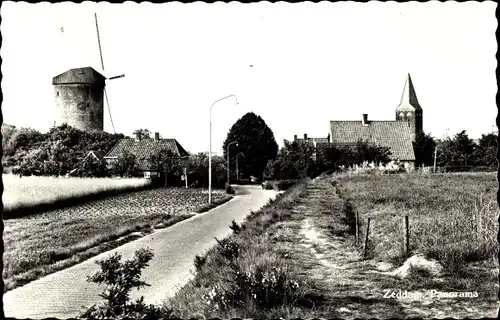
(366, 237)
(357, 229)
(407, 237)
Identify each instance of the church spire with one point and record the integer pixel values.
(409, 100)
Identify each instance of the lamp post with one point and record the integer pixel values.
(237, 172)
(210, 150)
(228, 170)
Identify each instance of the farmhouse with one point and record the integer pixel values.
(143, 149)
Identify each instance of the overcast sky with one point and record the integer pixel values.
(312, 63)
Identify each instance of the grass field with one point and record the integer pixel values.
(453, 217)
(297, 256)
(32, 191)
(43, 243)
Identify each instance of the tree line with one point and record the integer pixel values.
(252, 149)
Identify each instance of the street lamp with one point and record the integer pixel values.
(237, 172)
(210, 150)
(228, 171)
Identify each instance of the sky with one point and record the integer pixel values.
(298, 66)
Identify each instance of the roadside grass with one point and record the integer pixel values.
(453, 218)
(40, 244)
(249, 274)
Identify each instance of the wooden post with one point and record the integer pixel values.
(186, 176)
(435, 156)
(366, 238)
(357, 229)
(407, 237)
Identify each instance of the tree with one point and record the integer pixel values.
(485, 153)
(294, 161)
(92, 167)
(255, 140)
(142, 134)
(166, 162)
(457, 151)
(424, 147)
(198, 170)
(125, 165)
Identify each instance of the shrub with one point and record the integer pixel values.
(228, 248)
(350, 215)
(120, 279)
(264, 286)
(236, 227)
(199, 262)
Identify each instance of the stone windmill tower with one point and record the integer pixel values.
(79, 95)
(409, 109)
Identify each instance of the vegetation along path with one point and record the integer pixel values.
(63, 294)
(352, 286)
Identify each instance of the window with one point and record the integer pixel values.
(401, 116)
(147, 175)
(58, 93)
(408, 115)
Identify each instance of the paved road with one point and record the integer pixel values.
(64, 293)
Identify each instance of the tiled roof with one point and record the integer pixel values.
(314, 140)
(85, 75)
(144, 149)
(393, 134)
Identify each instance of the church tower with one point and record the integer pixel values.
(409, 109)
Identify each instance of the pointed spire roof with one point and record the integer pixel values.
(409, 100)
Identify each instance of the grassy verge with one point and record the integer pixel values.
(452, 218)
(41, 244)
(246, 274)
(278, 185)
(215, 203)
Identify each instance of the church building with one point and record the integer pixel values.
(397, 134)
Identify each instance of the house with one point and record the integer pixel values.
(143, 149)
(398, 135)
(314, 142)
(97, 155)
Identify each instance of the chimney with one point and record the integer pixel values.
(294, 137)
(157, 136)
(365, 119)
(305, 136)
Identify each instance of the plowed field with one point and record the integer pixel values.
(43, 243)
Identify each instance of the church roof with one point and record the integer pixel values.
(393, 134)
(409, 100)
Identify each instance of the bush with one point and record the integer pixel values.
(199, 262)
(236, 227)
(229, 189)
(264, 286)
(228, 248)
(120, 279)
(350, 215)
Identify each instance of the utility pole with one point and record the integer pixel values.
(435, 156)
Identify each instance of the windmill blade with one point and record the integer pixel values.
(109, 110)
(102, 64)
(99, 41)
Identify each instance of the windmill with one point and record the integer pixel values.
(111, 78)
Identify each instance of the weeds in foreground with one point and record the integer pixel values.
(120, 278)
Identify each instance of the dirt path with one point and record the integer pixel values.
(355, 287)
